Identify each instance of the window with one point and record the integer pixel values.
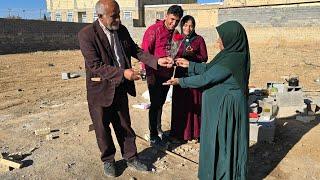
(70, 16)
(82, 17)
(58, 16)
(127, 15)
(160, 15)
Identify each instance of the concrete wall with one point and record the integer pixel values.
(31, 35)
(205, 15)
(286, 24)
(229, 3)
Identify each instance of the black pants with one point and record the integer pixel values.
(158, 94)
(118, 115)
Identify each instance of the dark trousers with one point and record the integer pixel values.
(158, 94)
(118, 115)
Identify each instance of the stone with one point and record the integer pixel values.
(305, 118)
(43, 131)
(74, 75)
(90, 128)
(65, 75)
(49, 137)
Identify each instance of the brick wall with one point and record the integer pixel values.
(31, 35)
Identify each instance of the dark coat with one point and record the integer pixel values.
(99, 63)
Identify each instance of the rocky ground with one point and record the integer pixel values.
(33, 96)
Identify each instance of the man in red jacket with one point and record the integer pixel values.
(156, 41)
(107, 49)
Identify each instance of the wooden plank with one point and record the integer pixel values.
(10, 163)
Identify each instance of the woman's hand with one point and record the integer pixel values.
(166, 62)
(182, 62)
(172, 81)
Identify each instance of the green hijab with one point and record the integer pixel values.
(235, 56)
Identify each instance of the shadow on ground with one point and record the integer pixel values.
(264, 157)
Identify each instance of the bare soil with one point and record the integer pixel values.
(33, 96)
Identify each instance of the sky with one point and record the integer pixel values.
(27, 9)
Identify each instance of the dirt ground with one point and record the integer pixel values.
(33, 96)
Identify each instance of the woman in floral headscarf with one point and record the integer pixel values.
(186, 103)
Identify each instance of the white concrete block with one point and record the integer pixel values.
(305, 118)
(262, 131)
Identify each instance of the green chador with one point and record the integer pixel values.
(224, 139)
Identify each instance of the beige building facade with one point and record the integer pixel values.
(140, 13)
(83, 10)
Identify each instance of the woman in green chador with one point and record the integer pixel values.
(224, 139)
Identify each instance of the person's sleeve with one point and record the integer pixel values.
(94, 62)
(148, 40)
(143, 56)
(213, 75)
(196, 68)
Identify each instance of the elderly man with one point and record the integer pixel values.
(107, 48)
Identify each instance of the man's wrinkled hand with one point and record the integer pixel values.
(182, 62)
(166, 62)
(131, 75)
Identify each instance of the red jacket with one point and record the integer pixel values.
(156, 40)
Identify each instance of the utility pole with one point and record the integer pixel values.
(23, 14)
(40, 14)
(9, 12)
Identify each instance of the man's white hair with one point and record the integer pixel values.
(100, 9)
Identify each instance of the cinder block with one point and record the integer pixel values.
(50, 137)
(43, 131)
(262, 131)
(4, 168)
(287, 99)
